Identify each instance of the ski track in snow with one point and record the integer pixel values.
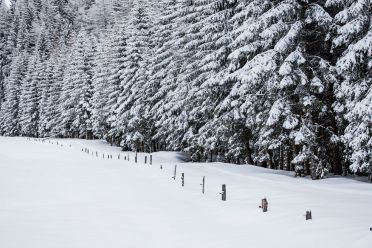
(53, 196)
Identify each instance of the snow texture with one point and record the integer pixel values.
(56, 195)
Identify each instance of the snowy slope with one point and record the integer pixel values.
(57, 196)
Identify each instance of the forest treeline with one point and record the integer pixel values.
(283, 84)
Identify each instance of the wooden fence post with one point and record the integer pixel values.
(203, 184)
(308, 215)
(264, 205)
(135, 158)
(119, 156)
(175, 172)
(223, 193)
(150, 159)
(145, 159)
(183, 179)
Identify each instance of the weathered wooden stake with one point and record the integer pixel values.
(175, 172)
(103, 155)
(145, 159)
(308, 215)
(203, 184)
(96, 154)
(183, 179)
(119, 156)
(223, 193)
(135, 158)
(264, 205)
(150, 159)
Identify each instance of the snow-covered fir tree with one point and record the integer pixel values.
(352, 46)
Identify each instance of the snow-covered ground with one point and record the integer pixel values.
(58, 196)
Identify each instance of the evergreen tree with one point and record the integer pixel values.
(4, 31)
(117, 51)
(133, 79)
(352, 46)
(55, 102)
(77, 90)
(10, 109)
(101, 89)
(29, 98)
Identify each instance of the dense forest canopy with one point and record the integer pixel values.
(282, 84)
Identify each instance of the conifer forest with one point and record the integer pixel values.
(281, 84)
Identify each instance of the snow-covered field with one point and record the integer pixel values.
(58, 196)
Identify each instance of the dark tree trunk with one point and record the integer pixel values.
(336, 160)
(288, 158)
(249, 154)
(269, 161)
(281, 158)
(307, 168)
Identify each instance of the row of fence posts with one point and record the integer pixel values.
(223, 193)
(264, 202)
(126, 157)
(43, 140)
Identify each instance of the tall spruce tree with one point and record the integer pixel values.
(352, 49)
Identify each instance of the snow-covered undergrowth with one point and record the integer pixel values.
(58, 196)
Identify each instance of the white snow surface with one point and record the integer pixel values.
(57, 196)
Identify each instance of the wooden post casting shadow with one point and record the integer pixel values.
(175, 172)
(264, 205)
(203, 184)
(223, 193)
